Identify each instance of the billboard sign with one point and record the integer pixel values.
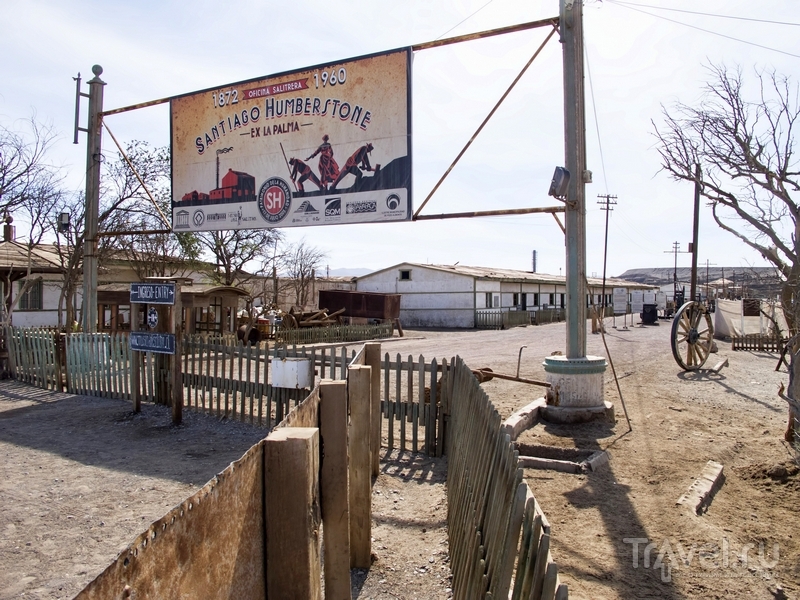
(321, 146)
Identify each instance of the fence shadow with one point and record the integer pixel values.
(107, 434)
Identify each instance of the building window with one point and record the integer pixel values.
(552, 300)
(536, 299)
(488, 299)
(32, 299)
(405, 275)
(562, 299)
(516, 301)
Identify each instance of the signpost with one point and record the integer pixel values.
(159, 343)
(153, 293)
(164, 341)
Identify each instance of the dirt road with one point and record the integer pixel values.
(80, 477)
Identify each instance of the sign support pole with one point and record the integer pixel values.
(176, 327)
(93, 163)
(575, 146)
(577, 378)
(136, 361)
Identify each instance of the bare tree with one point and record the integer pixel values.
(745, 148)
(24, 169)
(299, 264)
(241, 254)
(743, 141)
(150, 254)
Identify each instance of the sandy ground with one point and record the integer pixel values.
(80, 477)
(617, 532)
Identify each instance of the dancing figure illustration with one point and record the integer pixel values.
(328, 169)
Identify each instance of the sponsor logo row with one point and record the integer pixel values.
(274, 203)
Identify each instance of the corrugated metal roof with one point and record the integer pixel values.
(43, 258)
(514, 275)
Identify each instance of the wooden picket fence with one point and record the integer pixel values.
(335, 334)
(227, 379)
(410, 405)
(32, 356)
(494, 521)
(497, 319)
(758, 342)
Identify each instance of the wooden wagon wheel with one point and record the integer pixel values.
(290, 321)
(692, 336)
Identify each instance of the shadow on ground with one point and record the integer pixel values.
(106, 433)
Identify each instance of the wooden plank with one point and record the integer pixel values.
(216, 351)
(136, 381)
(359, 398)
(550, 580)
(420, 413)
(334, 488)
(292, 513)
(398, 401)
(440, 412)
(430, 426)
(388, 405)
(372, 358)
(541, 565)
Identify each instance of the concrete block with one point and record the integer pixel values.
(699, 495)
(523, 419)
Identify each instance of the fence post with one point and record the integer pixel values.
(291, 513)
(372, 358)
(359, 379)
(136, 361)
(334, 488)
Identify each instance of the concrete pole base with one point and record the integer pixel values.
(575, 382)
(577, 414)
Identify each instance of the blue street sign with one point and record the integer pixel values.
(160, 343)
(152, 293)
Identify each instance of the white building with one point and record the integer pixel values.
(457, 295)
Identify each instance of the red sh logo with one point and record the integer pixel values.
(274, 199)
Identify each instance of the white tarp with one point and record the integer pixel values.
(729, 322)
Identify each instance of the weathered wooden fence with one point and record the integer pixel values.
(758, 342)
(334, 334)
(410, 406)
(497, 319)
(32, 357)
(225, 378)
(493, 518)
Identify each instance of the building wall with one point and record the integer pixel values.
(47, 316)
(430, 298)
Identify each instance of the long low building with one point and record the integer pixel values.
(460, 296)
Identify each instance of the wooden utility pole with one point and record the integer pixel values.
(93, 162)
(696, 227)
(571, 18)
(606, 204)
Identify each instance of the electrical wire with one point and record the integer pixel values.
(693, 12)
(729, 37)
(594, 111)
(465, 19)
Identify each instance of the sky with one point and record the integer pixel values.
(640, 58)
